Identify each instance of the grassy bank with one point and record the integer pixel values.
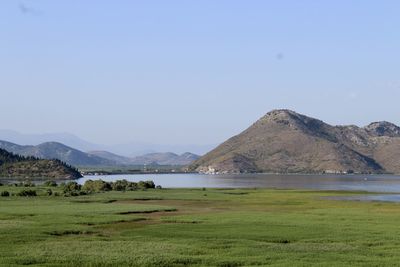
(176, 227)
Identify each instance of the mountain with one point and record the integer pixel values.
(130, 149)
(15, 166)
(120, 160)
(135, 149)
(165, 159)
(36, 139)
(284, 141)
(54, 150)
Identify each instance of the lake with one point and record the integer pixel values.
(370, 183)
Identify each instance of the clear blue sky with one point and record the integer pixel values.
(194, 72)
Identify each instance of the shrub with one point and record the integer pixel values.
(96, 186)
(5, 194)
(56, 194)
(26, 193)
(25, 184)
(49, 192)
(50, 183)
(132, 186)
(146, 184)
(71, 187)
(1, 184)
(28, 184)
(120, 185)
(158, 187)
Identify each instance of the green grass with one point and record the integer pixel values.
(177, 227)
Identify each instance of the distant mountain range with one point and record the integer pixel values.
(166, 158)
(55, 150)
(36, 139)
(131, 149)
(284, 141)
(15, 166)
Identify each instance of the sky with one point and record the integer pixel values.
(194, 72)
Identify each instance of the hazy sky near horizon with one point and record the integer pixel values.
(194, 72)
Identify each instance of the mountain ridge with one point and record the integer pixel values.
(166, 158)
(56, 150)
(127, 149)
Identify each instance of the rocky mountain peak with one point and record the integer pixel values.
(383, 128)
(286, 115)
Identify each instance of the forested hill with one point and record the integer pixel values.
(15, 166)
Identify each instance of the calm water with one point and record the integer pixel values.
(370, 183)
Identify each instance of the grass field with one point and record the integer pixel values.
(213, 227)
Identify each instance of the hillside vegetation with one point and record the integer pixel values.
(16, 166)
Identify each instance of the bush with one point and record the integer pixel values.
(49, 192)
(25, 184)
(132, 186)
(29, 184)
(1, 184)
(146, 184)
(50, 183)
(5, 194)
(120, 185)
(124, 185)
(96, 186)
(71, 187)
(158, 187)
(27, 193)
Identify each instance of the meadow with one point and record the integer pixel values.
(200, 227)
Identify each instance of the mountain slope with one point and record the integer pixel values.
(287, 142)
(15, 166)
(54, 150)
(120, 160)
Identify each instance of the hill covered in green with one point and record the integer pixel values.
(16, 166)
